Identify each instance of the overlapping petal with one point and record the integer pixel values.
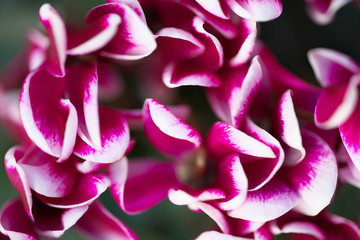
(49, 120)
(56, 57)
(323, 12)
(166, 132)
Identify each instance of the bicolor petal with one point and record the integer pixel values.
(55, 26)
(258, 10)
(323, 12)
(332, 67)
(115, 139)
(167, 132)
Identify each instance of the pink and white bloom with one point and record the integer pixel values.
(338, 104)
(116, 30)
(62, 116)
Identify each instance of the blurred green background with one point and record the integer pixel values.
(289, 37)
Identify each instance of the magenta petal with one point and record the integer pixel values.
(342, 228)
(95, 37)
(289, 130)
(224, 139)
(46, 176)
(300, 227)
(98, 223)
(332, 67)
(55, 27)
(39, 45)
(216, 215)
(336, 104)
(269, 202)
(18, 178)
(111, 83)
(166, 132)
(53, 222)
(315, 177)
(15, 223)
(258, 10)
(50, 122)
(82, 85)
(133, 40)
(232, 180)
(115, 138)
(88, 188)
(146, 183)
(349, 132)
(323, 12)
(232, 100)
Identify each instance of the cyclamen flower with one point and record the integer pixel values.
(76, 125)
(338, 104)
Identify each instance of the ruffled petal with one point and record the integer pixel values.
(315, 177)
(140, 185)
(15, 223)
(289, 130)
(53, 222)
(99, 223)
(115, 139)
(232, 100)
(258, 10)
(55, 26)
(224, 139)
(47, 177)
(18, 178)
(133, 40)
(336, 104)
(332, 67)
(349, 132)
(269, 202)
(82, 87)
(50, 122)
(95, 37)
(166, 132)
(88, 188)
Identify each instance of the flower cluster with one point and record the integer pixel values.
(268, 164)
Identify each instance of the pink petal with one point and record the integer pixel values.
(39, 45)
(336, 104)
(232, 100)
(289, 130)
(53, 222)
(342, 228)
(111, 83)
(99, 223)
(212, 235)
(96, 36)
(142, 184)
(15, 223)
(263, 233)
(133, 40)
(166, 132)
(115, 138)
(258, 10)
(307, 228)
(88, 188)
(47, 177)
(133, 4)
(332, 67)
(55, 27)
(350, 137)
(214, 7)
(216, 215)
(82, 86)
(323, 12)
(232, 180)
(192, 197)
(18, 178)
(224, 139)
(269, 202)
(315, 177)
(50, 122)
